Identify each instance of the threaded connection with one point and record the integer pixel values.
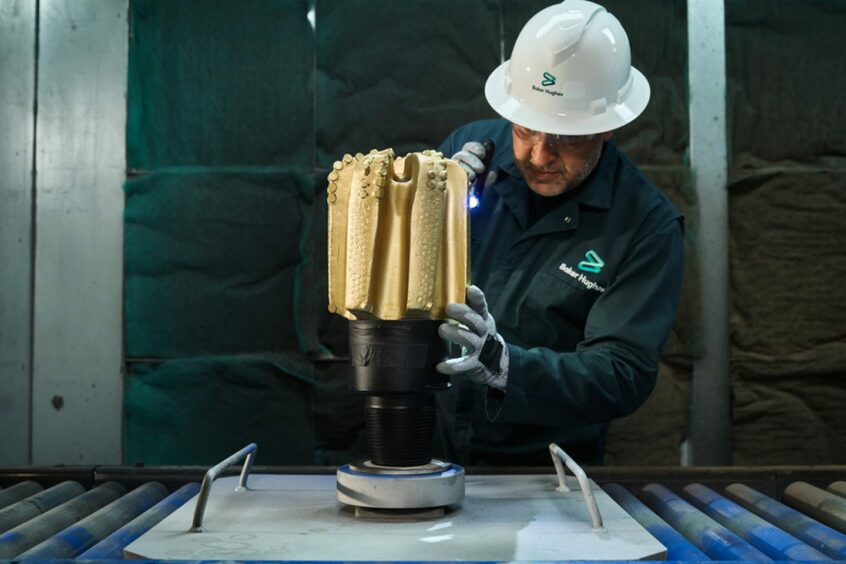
(399, 432)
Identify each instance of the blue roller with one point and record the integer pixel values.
(112, 546)
(26, 535)
(19, 491)
(678, 547)
(822, 537)
(94, 528)
(764, 536)
(35, 505)
(712, 538)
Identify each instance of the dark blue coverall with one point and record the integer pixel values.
(585, 298)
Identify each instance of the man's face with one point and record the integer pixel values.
(554, 164)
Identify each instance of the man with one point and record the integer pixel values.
(576, 256)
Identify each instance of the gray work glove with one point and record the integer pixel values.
(484, 353)
(470, 158)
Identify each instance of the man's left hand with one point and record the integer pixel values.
(485, 354)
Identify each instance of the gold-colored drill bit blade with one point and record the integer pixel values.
(398, 235)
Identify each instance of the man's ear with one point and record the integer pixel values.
(607, 135)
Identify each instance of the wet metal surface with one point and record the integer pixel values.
(297, 518)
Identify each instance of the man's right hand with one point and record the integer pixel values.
(470, 158)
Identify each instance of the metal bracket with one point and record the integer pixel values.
(559, 456)
(249, 452)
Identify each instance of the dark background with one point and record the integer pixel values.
(236, 111)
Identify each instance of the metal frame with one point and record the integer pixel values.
(559, 456)
(77, 384)
(710, 417)
(249, 454)
(17, 105)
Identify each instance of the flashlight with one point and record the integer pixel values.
(474, 198)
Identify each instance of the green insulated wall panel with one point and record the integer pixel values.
(220, 83)
(786, 79)
(216, 263)
(338, 415)
(657, 31)
(400, 74)
(199, 411)
(332, 328)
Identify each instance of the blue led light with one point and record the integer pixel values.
(472, 201)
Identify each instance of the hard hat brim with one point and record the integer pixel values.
(575, 123)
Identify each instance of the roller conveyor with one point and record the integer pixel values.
(678, 506)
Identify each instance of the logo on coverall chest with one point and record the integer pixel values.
(592, 263)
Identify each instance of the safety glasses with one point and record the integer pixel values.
(553, 141)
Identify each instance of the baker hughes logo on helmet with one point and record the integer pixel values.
(592, 263)
(548, 80)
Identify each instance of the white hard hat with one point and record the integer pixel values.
(570, 73)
